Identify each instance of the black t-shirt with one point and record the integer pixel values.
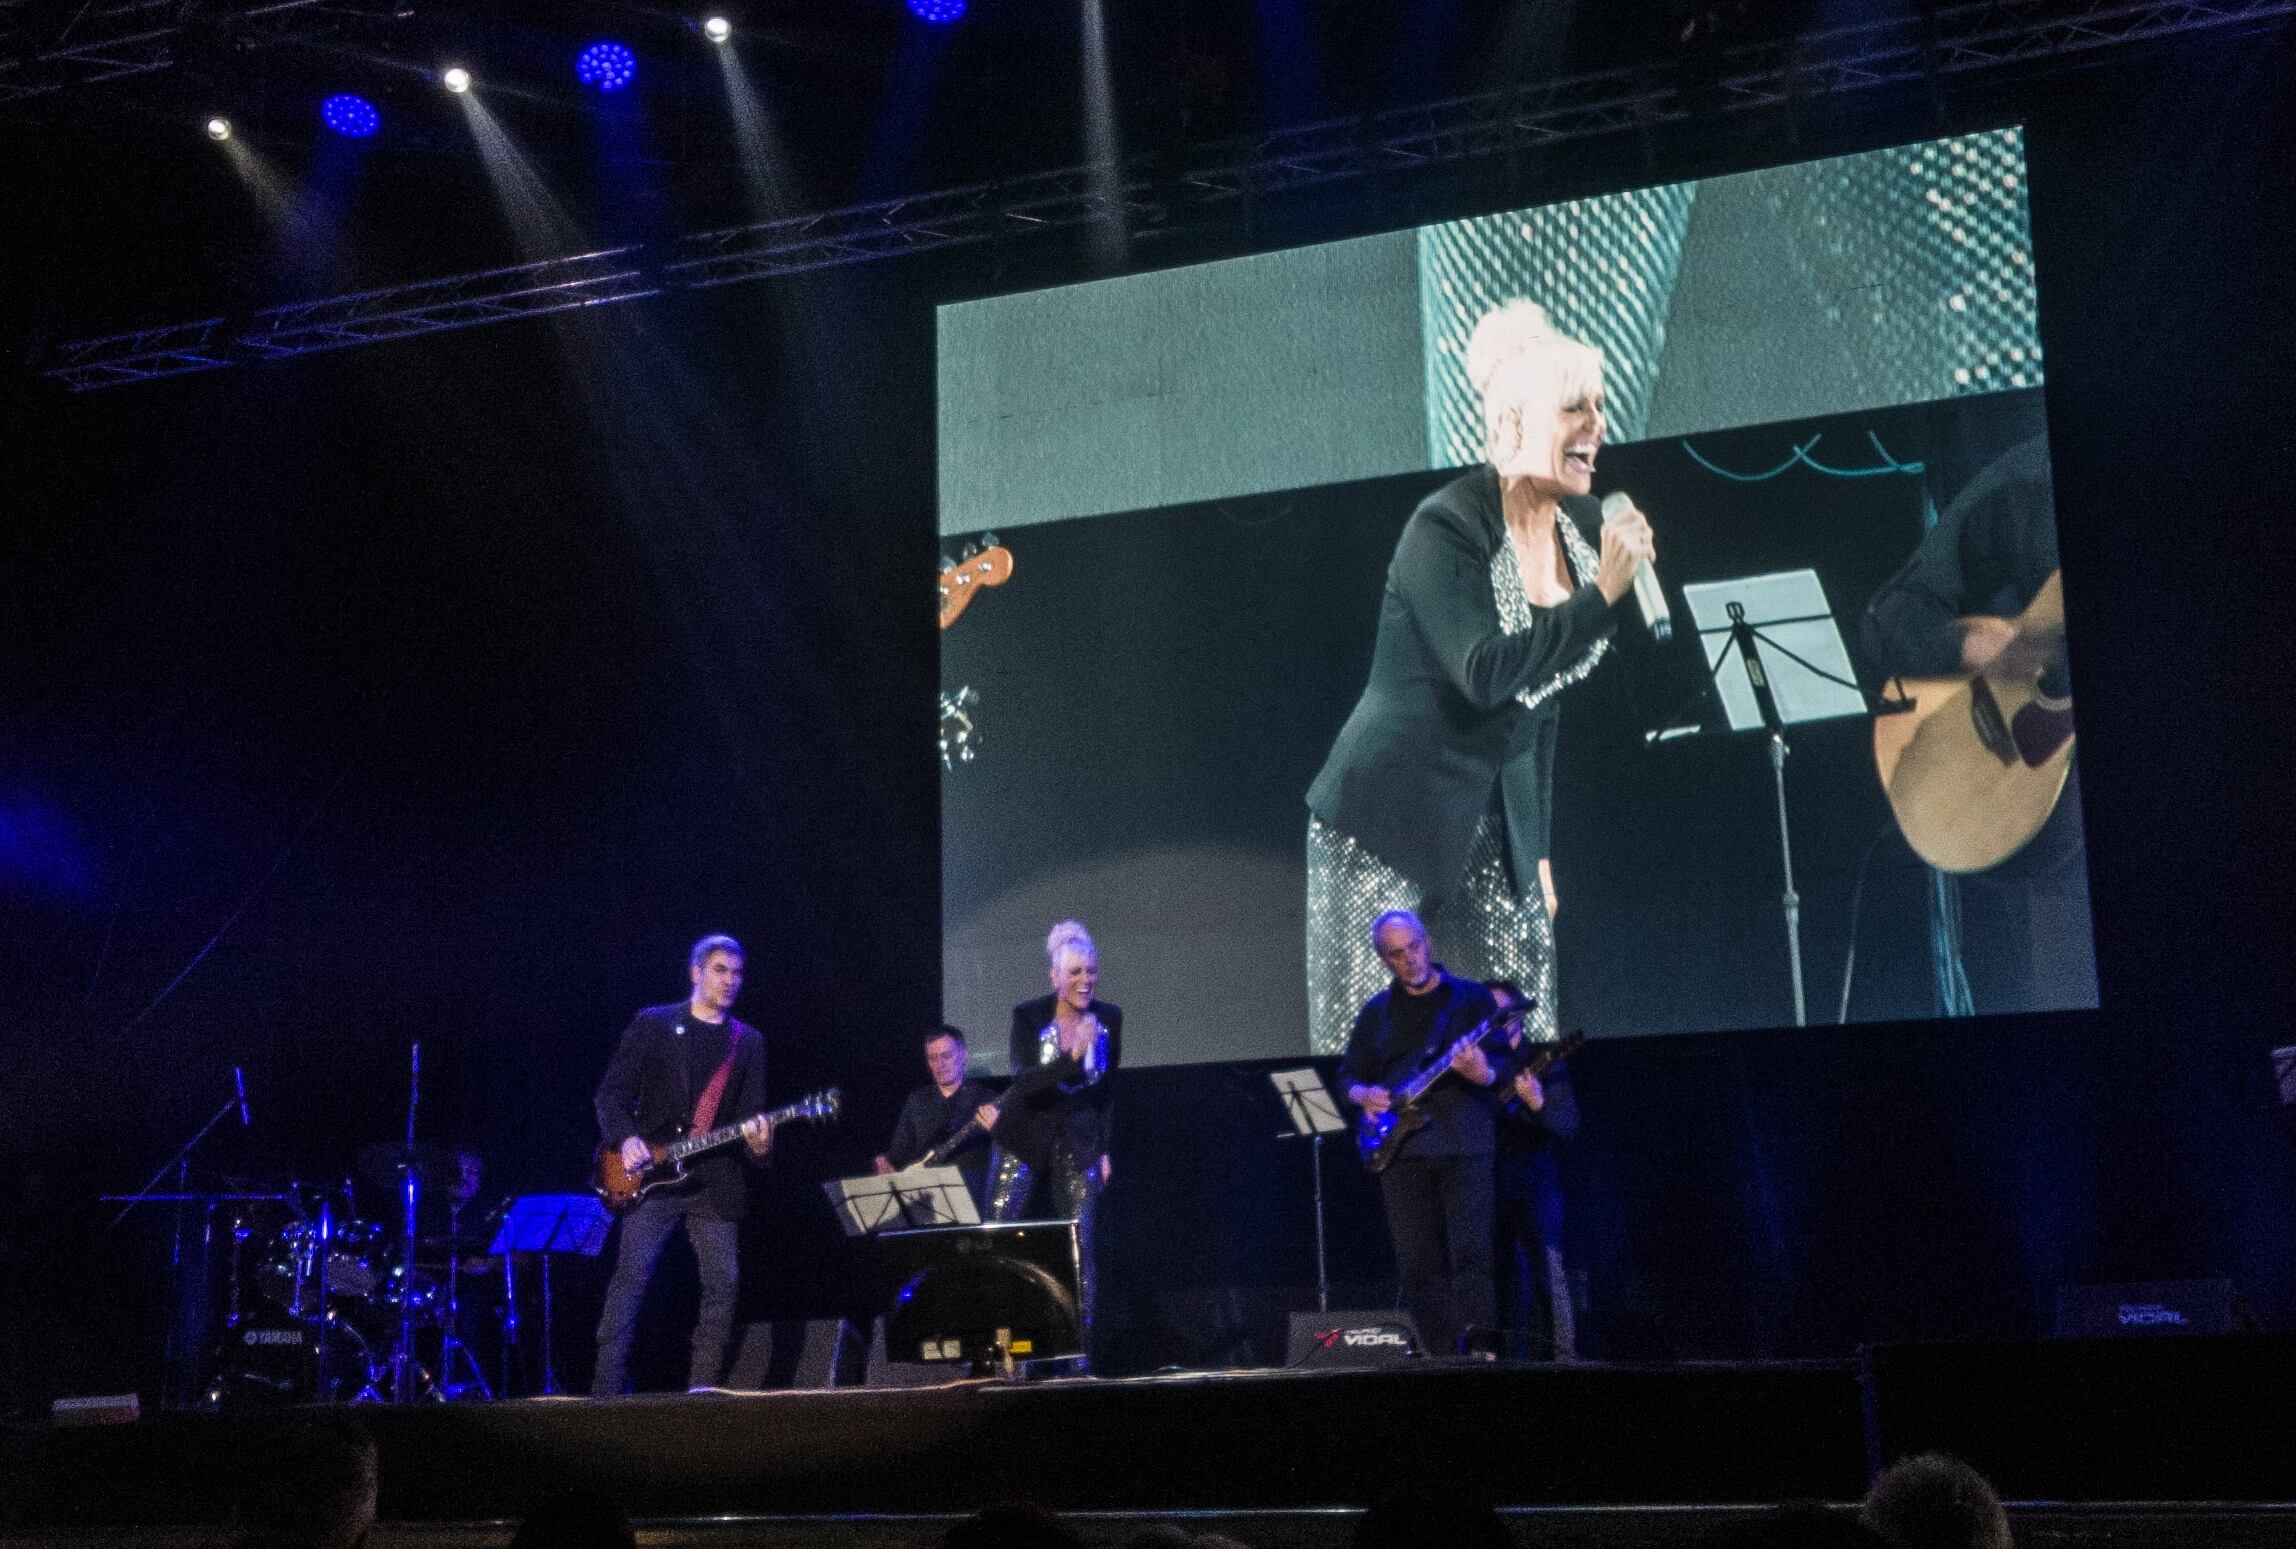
(1398, 1032)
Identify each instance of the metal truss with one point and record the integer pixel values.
(105, 40)
(1987, 35)
(1074, 196)
(434, 306)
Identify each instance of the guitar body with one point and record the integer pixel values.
(1379, 1137)
(621, 1189)
(1976, 767)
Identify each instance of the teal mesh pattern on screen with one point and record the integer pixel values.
(1604, 270)
(1896, 276)
(1953, 213)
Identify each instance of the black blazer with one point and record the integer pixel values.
(648, 1091)
(1065, 1112)
(1411, 773)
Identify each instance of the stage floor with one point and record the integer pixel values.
(1590, 1449)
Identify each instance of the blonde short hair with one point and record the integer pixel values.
(1070, 936)
(1524, 369)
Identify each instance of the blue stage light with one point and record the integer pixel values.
(607, 66)
(354, 117)
(939, 12)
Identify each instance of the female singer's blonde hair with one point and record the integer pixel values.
(1069, 936)
(1524, 370)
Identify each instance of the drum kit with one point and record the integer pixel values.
(321, 1305)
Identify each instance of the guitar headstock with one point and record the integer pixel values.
(987, 563)
(960, 732)
(824, 1104)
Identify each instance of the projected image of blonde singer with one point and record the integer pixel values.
(1504, 591)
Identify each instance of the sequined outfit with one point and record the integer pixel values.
(1058, 1133)
(1437, 794)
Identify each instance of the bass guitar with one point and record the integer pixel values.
(1379, 1136)
(1976, 767)
(665, 1172)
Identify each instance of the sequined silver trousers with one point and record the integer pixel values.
(1074, 1192)
(1490, 928)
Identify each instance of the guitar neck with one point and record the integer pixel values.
(724, 1135)
(940, 1154)
(1415, 1088)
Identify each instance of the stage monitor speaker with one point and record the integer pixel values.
(2147, 1310)
(795, 1353)
(1321, 1339)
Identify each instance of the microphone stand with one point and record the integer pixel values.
(180, 1165)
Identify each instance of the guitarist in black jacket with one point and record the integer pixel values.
(1437, 1191)
(670, 1060)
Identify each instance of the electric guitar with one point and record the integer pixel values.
(961, 581)
(1976, 767)
(665, 1171)
(1379, 1137)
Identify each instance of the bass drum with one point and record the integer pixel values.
(270, 1359)
(288, 1275)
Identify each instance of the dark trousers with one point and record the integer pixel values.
(1534, 1284)
(644, 1232)
(1439, 1214)
(1074, 1188)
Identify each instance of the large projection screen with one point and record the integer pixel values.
(1200, 478)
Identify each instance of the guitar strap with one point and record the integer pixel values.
(706, 1106)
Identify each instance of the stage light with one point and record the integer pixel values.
(939, 12)
(456, 79)
(607, 66)
(219, 129)
(352, 117)
(717, 29)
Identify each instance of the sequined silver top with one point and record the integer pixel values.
(1518, 613)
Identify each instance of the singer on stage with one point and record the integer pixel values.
(1437, 796)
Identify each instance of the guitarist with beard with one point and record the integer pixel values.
(1437, 1191)
(679, 1067)
(1950, 609)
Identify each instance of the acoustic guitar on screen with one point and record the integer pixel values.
(1977, 766)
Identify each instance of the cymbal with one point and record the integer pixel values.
(435, 1166)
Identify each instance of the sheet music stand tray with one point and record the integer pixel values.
(913, 1197)
(546, 1224)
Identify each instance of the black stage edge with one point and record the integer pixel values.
(1721, 1433)
(2193, 1420)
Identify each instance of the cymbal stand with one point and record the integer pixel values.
(405, 1374)
(450, 1337)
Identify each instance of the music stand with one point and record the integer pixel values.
(1807, 677)
(1314, 1115)
(913, 1197)
(546, 1224)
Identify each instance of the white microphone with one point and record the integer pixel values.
(239, 1081)
(1649, 596)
